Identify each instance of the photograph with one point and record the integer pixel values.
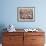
(25, 14)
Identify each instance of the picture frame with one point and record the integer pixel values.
(26, 14)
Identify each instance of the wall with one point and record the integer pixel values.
(9, 13)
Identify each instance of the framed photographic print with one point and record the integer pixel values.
(26, 14)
